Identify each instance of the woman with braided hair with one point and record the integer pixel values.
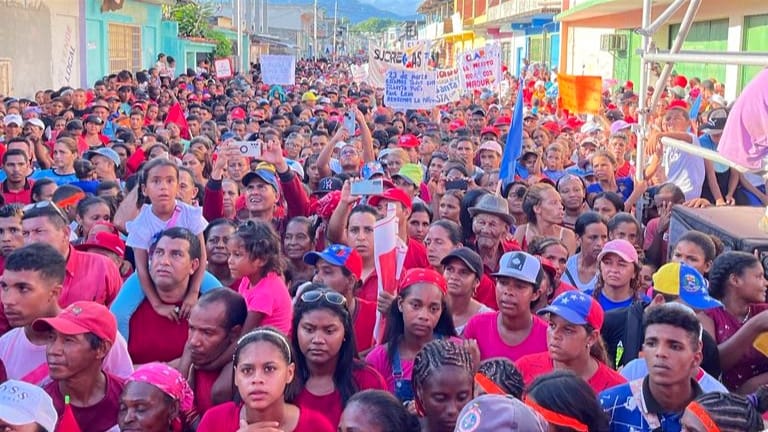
(443, 383)
(737, 280)
(503, 374)
(726, 412)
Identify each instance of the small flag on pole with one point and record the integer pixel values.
(67, 422)
(388, 259)
(514, 144)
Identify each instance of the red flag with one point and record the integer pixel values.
(176, 115)
(388, 258)
(67, 422)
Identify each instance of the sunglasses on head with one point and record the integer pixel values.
(331, 297)
(46, 205)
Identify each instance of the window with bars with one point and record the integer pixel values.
(124, 48)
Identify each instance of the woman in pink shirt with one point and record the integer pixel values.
(418, 315)
(254, 255)
(513, 331)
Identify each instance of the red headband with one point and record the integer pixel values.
(488, 385)
(697, 410)
(556, 418)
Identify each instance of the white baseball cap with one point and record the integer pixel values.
(519, 265)
(13, 118)
(23, 403)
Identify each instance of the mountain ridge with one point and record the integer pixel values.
(355, 10)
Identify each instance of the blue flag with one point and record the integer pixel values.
(695, 107)
(514, 144)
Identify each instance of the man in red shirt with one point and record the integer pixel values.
(80, 338)
(215, 324)
(90, 277)
(339, 267)
(152, 337)
(490, 224)
(16, 188)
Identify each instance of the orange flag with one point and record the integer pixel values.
(580, 94)
(67, 422)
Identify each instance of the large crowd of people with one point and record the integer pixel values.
(158, 275)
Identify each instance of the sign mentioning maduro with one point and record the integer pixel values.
(481, 68)
(410, 89)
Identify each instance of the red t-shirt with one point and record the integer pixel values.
(226, 418)
(369, 290)
(24, 196)
(96, 418)
(330, 405)
(485, 329)
(154, 338)
(416, 257)
(204, 381)
(486, 292)
(535, 365)
(364, 322)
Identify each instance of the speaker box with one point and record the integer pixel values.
(737, 227)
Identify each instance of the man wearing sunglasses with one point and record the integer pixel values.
(340, 268)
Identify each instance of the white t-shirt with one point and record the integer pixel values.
(685, 170)
(483, 309)
(20, 357)
(146, 225)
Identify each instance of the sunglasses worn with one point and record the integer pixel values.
(331, 297)
(46, 205)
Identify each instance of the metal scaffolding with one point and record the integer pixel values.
(649, 55)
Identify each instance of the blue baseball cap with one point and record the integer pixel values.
(105, 152)
(340, 256)
(684, 281)
(263, 174)
(577, 308)
(371, 169)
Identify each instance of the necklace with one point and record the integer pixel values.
(746, 317)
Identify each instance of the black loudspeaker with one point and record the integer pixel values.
(737, 227)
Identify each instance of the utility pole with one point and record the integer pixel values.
(240, 56)
(314, 38)
(335, 20)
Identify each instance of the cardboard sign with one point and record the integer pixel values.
(278, 69)
(410, 89)
(448, 86)
(223, 68)
(481, 68)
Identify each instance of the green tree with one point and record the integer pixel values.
(374, 25)
(194, 18)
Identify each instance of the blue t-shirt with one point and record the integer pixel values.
(707, 143)
(553, 175)
(625, 409)
(625, 184)
(609, 304)
(51, 174)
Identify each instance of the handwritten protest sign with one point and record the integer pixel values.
(410, 89)
(223, 68)
(448, 86)
(359, 73)
(580, 94)
(481, 67)
(278, 69)
(414, 57)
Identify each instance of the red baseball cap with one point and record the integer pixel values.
(237, 113)
(82, 317)
(408, 141)
(629, 85)
(422, 275)
(678, 103)
(552, 127)
(456, 124)
(503, 121)
(489, 130)
(394, 194)
(104, 240)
